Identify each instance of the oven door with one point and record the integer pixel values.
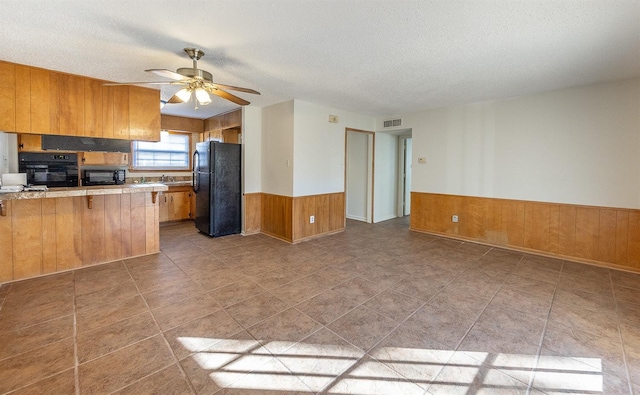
(52, 175)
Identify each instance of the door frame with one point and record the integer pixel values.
(371, 161)
(402, 160)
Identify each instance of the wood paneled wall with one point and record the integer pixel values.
(252, 213)
(277, 216)
(287, 218)
(602, 235)
(41, 236)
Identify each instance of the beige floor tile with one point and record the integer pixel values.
(106, 339)
(35, 365)
(60, 383)
(441, 324)
(119, 309)
(201, 334)
(168, 381)
(11, 319)
(184, 311)
(124, 367)
(36, 336)
(363, 327)
(327, 306)
(236, 292)
(256, 309)
(283, 330)
(394, 305)
(111, 294)
(172, 294)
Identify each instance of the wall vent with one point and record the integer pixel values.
(392, 122)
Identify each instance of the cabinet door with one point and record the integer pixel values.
(180, 205)
(43, 102)
(144, 114)
(23, 99)
(105, 158)
(29, 142)
(115, 112)
(163, 207)
(93, 102)
(71, 93)
(7, 97)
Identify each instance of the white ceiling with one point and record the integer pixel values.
(369, 57)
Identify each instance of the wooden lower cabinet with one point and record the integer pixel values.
(175, 205)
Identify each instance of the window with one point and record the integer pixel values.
(172, 152)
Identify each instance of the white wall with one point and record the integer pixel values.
(277, 149)
(8, 153)
(385, 177)
(252, 149)
(319, 147)
(578, 145)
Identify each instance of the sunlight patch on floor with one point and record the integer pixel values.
(247, 364)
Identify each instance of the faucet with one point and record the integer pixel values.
(162, 179)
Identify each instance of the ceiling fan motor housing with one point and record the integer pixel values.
(195, 73)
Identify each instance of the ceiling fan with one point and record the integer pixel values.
(196, 82)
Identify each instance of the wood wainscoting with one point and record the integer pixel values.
(42, 236)
(599, 235)
(252, 213)
(287, 218)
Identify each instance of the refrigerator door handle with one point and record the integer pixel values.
(196, 172)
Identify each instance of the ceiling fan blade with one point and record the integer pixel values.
(167, 74)
(235, 88)
(138, 83)
(227, 95)
(174, 100)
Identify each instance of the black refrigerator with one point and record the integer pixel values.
(217, 185)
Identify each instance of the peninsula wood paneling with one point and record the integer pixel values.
(69, 232)
(602, 235)
(6, 242)
(27, 237)
(328, 212)
(49, 237)
(40, 236)
(252, 213)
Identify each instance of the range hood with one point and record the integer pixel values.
(84, 144)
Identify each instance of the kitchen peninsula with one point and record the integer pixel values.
(67, 228)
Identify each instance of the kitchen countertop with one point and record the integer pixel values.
(87, 191)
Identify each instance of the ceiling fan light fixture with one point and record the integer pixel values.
(183, 94)
(203, 96)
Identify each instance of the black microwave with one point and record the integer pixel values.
(103, 177)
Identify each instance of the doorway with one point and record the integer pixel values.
(405, 147)
(359, 167)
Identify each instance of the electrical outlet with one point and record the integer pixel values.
(312, 219)
(454, 218)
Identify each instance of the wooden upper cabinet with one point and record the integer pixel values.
(40, 101)
(71, 94)
(93, 103)
(44, 102)
(29, 142)
(105, 158)
(23, 99)
(144, 113)
(7, 97)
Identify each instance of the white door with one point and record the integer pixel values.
(359, 176)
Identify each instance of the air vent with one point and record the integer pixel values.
(392, 122)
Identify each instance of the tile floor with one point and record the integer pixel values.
(374, 310)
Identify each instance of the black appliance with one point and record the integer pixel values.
(217, 185)
(103, 177)
(52, 170)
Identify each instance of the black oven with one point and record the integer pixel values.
(52, 170)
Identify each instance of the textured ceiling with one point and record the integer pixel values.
(369, 57)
